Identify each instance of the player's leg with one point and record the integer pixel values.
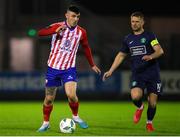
(151, 111)
(70, 88)
(136, 95)
(52, 82)
(154, 89)
(50, 94)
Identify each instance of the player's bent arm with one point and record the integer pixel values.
(158, 51)
(49, 30)
(117, 61)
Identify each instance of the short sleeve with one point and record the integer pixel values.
(153, 39)
(124, 48)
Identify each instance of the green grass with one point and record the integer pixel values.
(104, 119)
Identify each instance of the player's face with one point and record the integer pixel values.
(137, 24)
(72, 18)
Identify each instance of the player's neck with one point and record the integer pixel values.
(138, 32)
(69, 26)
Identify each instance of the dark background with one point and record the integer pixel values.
(106, 22)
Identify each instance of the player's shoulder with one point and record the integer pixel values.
(126, 37)
(149, 33)
(82, 29)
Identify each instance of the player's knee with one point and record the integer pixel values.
(71, 97)
(135, 96)
(152, 104)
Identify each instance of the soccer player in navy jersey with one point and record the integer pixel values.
(144, 49)
(66, 38)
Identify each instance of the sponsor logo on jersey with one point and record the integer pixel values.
(130, 42)
(70, 77)
(46, 81)
(138, 50)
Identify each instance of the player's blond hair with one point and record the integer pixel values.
(138, 14)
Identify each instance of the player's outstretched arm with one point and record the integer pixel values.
(117, 61)
(55, 28)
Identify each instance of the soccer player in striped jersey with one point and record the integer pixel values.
(66, 38)
(144, 50)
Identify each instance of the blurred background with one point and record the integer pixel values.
(23, 55)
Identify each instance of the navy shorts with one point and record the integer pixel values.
(147, 82)
(55, 78)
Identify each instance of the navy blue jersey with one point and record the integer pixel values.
(138, 46)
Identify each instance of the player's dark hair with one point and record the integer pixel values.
(138, 14)
(74, 9)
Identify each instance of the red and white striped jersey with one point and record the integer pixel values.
(64, 46)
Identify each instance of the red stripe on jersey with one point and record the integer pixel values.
(55, 52)
(52, 52)
(61, 52)
(63, 56)
(72, 50)
(65, 53)
(71, 61)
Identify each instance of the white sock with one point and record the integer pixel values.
(77, 118)
(45, 122)
(149, 121)
(142, 106)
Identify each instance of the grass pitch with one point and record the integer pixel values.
(103, 118)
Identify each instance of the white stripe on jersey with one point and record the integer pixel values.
(58, 51)
(73, 57)
(64, 47)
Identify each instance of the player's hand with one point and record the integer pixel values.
(96, 69)
(106, 75)
(61, 28)
(147, 58)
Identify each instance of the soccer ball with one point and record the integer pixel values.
(67, 125)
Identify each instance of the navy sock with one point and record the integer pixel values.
(151, 113)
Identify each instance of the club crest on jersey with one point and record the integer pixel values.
(134, 83)
(66, 45)
(143, 40)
